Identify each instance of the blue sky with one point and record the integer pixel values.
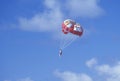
(30, 39)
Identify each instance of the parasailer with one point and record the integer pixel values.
(60, 52)
(71, 30)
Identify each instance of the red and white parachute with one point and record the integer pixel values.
(70, 26)
(71, 30)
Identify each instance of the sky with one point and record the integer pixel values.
(30, 39)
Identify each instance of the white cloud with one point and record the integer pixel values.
(49, 20)
(84, 8)
(112, 72)
(7, 80)
(54, 14)
(105, 71)
(91, 62)
(70, 76)
(25, 79)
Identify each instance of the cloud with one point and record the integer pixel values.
(106, 71)
(7, 80)
(91, 62)
(55, 12)
(49, 20)
(84, 8)
(112, 72)
(23, 79)
(70, 76)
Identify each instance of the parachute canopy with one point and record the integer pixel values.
(71, 30)
(70, 26)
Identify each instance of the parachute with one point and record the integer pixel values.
(70, 26)
(71, 30)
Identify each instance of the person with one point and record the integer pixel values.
(60, 52)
